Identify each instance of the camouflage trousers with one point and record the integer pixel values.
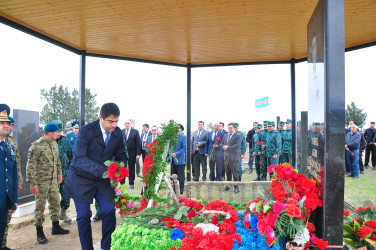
(264, 168)
(47, 192)
(65, 199)
(258, 165)
(4, 244)
(286, 157)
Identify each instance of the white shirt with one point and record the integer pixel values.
(104, 132)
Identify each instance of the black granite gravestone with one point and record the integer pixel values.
(26, 131)
(326, 109)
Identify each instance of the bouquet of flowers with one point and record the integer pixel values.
(123, 202)
(216, 142)
(116, 172)
(360, 230)
(286, 208)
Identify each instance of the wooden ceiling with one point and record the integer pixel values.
(187, 31)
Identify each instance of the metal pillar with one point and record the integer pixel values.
(304, 142)
(293, 110)
(81, 102)
(189, 96)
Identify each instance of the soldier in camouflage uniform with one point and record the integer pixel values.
(66, 156)
(287, 143)
(273, 145)
(281, 131)
(256, 146)
(243, 149)
(43, 172)
(13, 142)
(262, 137)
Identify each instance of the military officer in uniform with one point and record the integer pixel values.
(256, 149)
(287, 143)
(66, 156)
(72, 136)
(281, 131)
(13, 142)
(8, 172)
(273, 145)
(43, 173)
(243, 149)
(262, 138)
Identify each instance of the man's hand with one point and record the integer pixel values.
(198, 145)
(275, 156)
(259, 153)
(263, 146)
(11, 211)
(215, 146)
(280, 152)
(137, 157)
(59, 179)
(34, 189)
(173, 155)
(242, 156)
(225, 147)
(19, 187)
(206, 154)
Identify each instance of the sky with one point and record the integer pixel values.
(153, 94)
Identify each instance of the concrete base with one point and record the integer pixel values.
(24, 209)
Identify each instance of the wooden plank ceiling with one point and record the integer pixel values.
(187, 31)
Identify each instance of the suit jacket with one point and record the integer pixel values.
(149, 141)
(210, 142)
(133, 142)
(180, 150)
(233, 150)
(201, 140)
(143, 147)
(87, 168)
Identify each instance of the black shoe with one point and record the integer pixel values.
(203, 179)
(236, 190)
(226, 188)
(257, 179)
(138, 175)
(366, 167)
(97, 217)
(355, 177)
(132, 186)
(374, 168)
(57, 229)
(362, 172)
(349, 175)
(195, 179)
(6, 248)
(40, 235)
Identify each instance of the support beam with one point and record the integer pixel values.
(81, 102)
(293, 110)
(189, 97)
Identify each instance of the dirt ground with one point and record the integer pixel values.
(24, 236)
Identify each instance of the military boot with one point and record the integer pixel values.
(40, 235)
(57, 229)
(63, 216)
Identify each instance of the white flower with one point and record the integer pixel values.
(301, 202)
(207, 227)
(228, 216)
(252, 206)
(301, 237)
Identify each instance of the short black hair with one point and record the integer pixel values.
(222, 124)
(109, 109)
(231, 123)
(145, 125)
(201, 122)
(255, 123)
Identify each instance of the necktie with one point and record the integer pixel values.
(2, 144)
(215, 135)
(152, 138)
(198, 136)
(229, 138)
(126, 134)
(107, 138)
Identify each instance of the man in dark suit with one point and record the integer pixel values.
(214, 142)
(198, 147)
(133, 143)
(144, 136)
(96, 143)
(231, 145)
(370, 148)
(152, 137)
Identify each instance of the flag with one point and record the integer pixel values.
(263, 102)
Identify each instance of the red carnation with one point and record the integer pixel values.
(258, 142)
(371, 224)
(191, 213)
(261, 142)
(214, 220)
(260, 163)
(311, 228)
(251, 159)
(373, 237)
(352, 154)
(322, 244)
(123, 172)
(369, 143)
(117, 205)
(346, 213)
(363, 232)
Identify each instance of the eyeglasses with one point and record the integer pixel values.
(127, 123)
(153, 130)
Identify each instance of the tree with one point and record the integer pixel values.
(353, 113)
(61, 104)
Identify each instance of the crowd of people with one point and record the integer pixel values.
(356, 143)
(64, 166)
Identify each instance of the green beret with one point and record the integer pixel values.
(51, 127)
(5, 107)
(282, 123)
(259, 125)
(289, 121)
(236, 125)
(11, 119)
(265, 122)
(75, 124)
(59, 123)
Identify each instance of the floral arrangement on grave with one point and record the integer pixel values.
(217, 140)
(123, 201)
(360, 229)
(285, 209)
(156, 159)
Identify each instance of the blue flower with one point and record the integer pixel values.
(254, 222)
(176, 234)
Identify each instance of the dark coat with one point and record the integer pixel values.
(87, 168)
(133, 142)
